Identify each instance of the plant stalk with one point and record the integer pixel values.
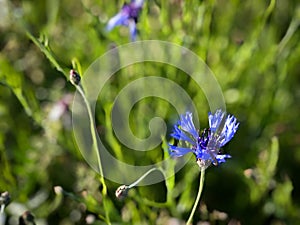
(201, 183)
(96, 149)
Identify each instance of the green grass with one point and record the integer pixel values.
(252, 48)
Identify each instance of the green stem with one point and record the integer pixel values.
(2, 208)
(95, 148)
(201, 182)
(143, 176)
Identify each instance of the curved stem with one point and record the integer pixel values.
(143, 176)
(201, 182)
(2, 208)
(96, 149)
(93, 129)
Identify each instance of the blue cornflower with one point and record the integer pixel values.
(128, 16)
(205, 146)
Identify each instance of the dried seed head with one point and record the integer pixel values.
(26, 218)
(4, 198)
(74, 77)
(122, 191)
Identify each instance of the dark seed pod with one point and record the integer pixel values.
(74, 77)
(4, 198)
(122, 191)
(26, 219)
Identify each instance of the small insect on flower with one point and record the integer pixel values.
(206, 145)
(128, 16)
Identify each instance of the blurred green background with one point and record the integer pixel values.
(251, 46)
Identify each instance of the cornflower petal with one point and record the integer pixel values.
(128, 16)
(176, 151)
(137, 3)
(215, 120)
(187, 125)
(184, 130)
(119, 19)
(203, 154)
(132, 30)
(221, 158)
(230, 128)
(181, 135)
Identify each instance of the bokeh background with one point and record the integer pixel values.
(253, 49)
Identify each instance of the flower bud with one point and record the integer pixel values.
(58, 190)
(26, 218)
(122, 191)
(74, 77)
(4, 198)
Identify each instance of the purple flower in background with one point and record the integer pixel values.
(205, 146)
(128, 16)
(60, 108)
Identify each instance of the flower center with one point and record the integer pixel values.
(204, 138)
